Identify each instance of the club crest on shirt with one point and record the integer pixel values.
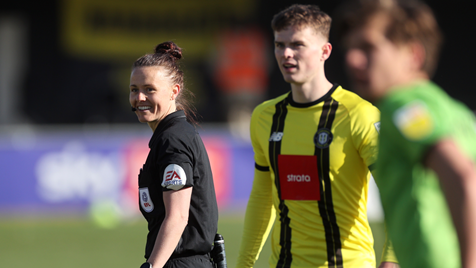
(414, 120)
(145, 200)
(174, 177)
(323, 138)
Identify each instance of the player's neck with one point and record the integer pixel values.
(408, 82)
(310, 91)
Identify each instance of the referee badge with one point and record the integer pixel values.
(323, 138)
(145, 200)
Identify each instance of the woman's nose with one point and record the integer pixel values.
(141, 96)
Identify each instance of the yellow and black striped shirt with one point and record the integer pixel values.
(311, 182)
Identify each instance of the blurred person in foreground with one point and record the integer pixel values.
(426, 166)
(313, 148)
(176, 191)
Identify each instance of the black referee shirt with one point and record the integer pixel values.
(178, 159)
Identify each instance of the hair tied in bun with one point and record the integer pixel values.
(169, 48)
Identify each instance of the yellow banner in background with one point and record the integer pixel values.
(118, 30)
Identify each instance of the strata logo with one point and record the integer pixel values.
(75, 173)
(174, 177)
(276, 136)
(299, 178)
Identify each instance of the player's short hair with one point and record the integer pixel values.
(409, 21)
(300, 16)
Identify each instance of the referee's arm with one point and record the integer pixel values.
(177, 206)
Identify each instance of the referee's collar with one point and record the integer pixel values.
(312, 103)
(166, 122)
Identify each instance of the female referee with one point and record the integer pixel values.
(176, 192)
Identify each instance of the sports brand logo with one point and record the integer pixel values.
(145, 201)
(298, 177)
(323, 138)
(276, 136)
(172, 174)
(174, 177)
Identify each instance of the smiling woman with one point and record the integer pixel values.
(157, 87)
(153, 94)
(182, 223)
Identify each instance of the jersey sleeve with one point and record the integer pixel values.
(259, 152)
(259, 218)
(414, 126)
(365, 124)
(260, 212)
(175, 165)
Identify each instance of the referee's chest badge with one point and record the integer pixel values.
(145, 201)
(323, 138)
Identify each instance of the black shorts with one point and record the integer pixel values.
(197, 261)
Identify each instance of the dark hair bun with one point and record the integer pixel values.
(169, 48)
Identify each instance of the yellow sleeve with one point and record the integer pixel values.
(260, 212)
(388, 255)
(365, 120)
(259, 218)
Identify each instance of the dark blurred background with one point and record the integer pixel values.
(68, 62)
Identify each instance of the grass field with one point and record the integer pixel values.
(78, 243)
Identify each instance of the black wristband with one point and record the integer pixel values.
(146, 265)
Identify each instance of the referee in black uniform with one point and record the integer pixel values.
(176, 192)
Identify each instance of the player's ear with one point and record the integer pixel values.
(326, 51)
(418, 55)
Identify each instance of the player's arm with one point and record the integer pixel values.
(177, 204)
(457, 175)
(259, 217)
(389, 260)
(389, 265)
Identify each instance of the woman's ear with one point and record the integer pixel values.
(175, 91)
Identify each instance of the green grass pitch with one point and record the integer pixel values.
(78, 243)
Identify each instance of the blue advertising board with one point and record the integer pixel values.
(66, 170)
(72, 170)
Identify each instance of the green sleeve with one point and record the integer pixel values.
(414, 125)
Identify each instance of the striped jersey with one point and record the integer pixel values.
(311, 181)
